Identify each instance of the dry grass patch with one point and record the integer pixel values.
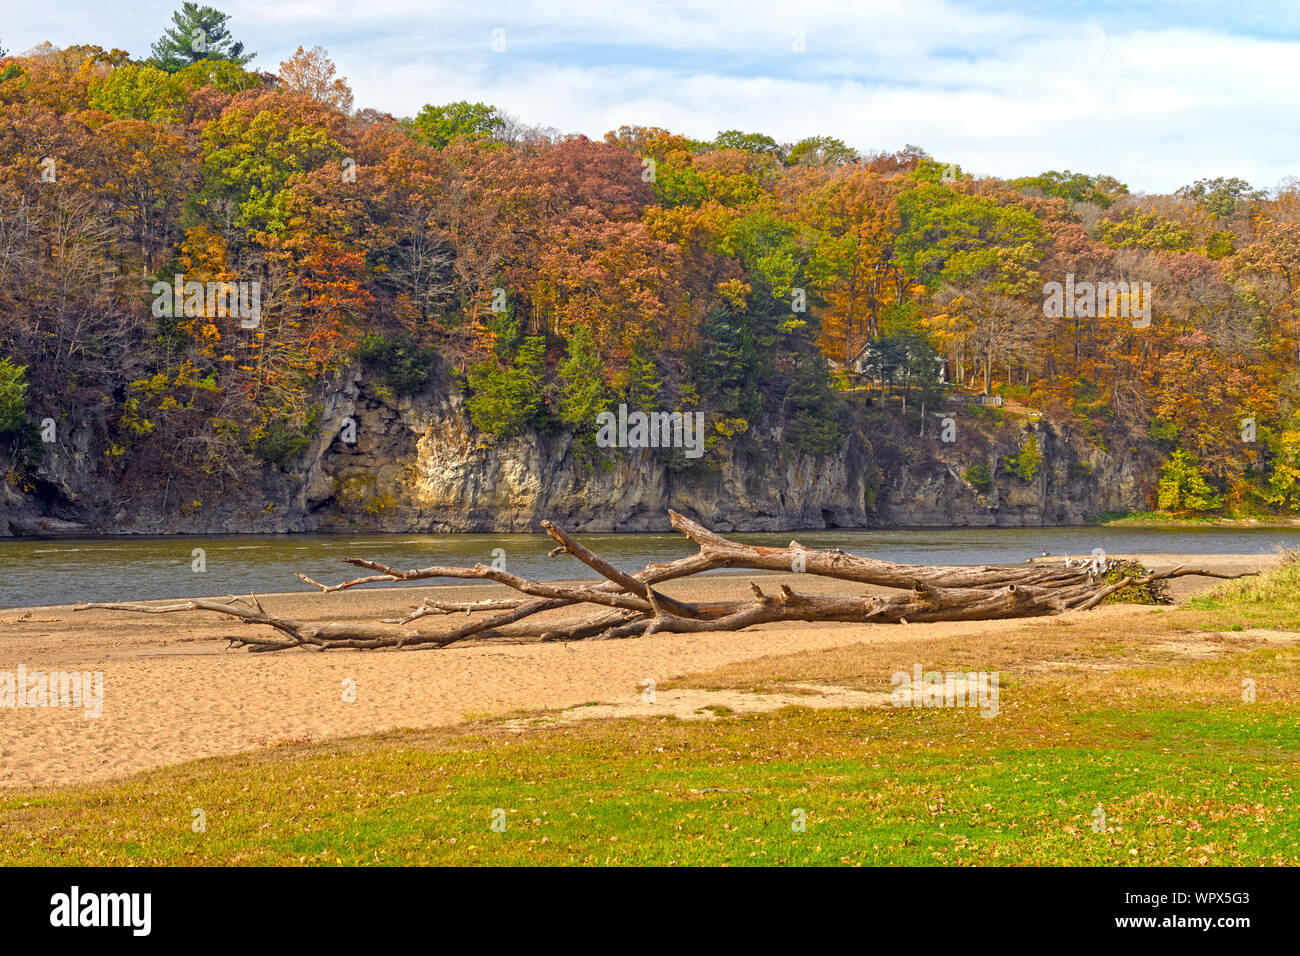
(1123, 636)
(1098, 642)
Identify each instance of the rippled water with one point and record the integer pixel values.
(65, 570)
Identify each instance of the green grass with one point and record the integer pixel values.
(1145, 519)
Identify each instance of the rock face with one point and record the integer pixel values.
(419, 465)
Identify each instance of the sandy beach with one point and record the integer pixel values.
(173, 691)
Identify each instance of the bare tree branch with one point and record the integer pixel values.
(630, 606)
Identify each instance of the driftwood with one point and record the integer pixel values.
(628, 605)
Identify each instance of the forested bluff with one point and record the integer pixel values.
(428, 316)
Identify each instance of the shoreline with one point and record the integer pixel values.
(1153, 560)
(1140, 520)
(1156, 521)
(174, 692)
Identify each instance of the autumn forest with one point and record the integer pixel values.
(547, 278)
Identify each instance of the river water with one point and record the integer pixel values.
(66, 570)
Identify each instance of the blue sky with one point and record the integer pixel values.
(1156, 93)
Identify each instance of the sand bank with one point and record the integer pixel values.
(172, 691)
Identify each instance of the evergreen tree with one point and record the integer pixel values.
(582, 388)
(507, 391)
(199, 33)
(725, 366)
(813, 410)
(642, 381)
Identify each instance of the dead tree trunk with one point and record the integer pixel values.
(628, 605)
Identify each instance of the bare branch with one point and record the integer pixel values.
(630, 606)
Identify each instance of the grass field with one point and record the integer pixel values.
(1156, 519)
(1150, 721)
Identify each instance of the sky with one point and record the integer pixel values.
(1157, 93)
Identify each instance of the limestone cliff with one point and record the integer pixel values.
(419, 465)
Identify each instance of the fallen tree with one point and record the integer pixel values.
(629, 605)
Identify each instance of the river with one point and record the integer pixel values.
(67, 570)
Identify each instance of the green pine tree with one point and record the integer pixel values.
(813, 410)
(506, 392)
(642, 381)
(199, 33)
(582, 386)
(726, 366)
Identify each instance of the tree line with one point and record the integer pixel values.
(550, 277)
